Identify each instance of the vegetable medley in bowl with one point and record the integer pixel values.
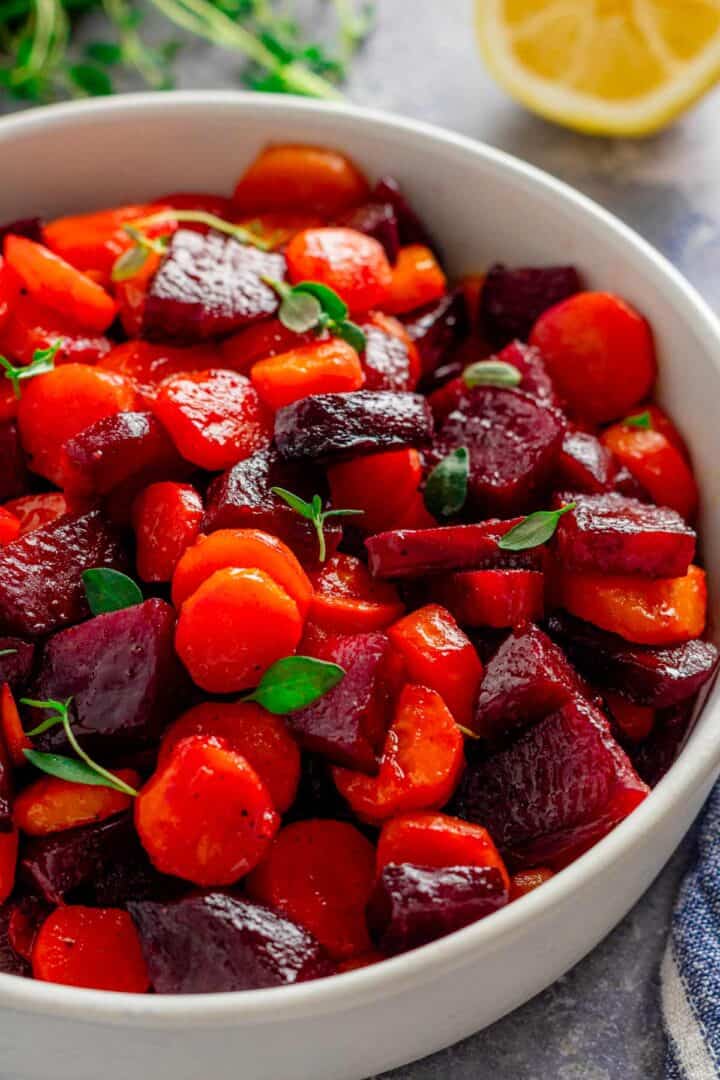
(340, 605)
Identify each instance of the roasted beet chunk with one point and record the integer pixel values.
(513, 442)
(511, 300)
(10, 962)
(412, 905)
(615, 535)
(387, 363)
(213, 942)
(41, 573)
(30, 227)
(563, 785)
(209, 286)
(535, 380)
(412, 229)
(348, 724)
(654, 756)
(584, 464)
(437, 328)
(128, 444)
(658, 677)
(121, 672)
(376, 219)
(335, 425)
(527, 678)
(414, 553)
(242, 499)
(16, 660)
(13, 474)
(101, 864)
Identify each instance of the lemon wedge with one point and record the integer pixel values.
(610, 67)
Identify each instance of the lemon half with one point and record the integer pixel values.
(611, 67)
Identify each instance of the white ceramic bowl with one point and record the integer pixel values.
(484, 206)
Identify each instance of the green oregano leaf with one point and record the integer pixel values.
(295, 682)
(109, 590)
(8, 652)
(350, 332)
(310, 305)
(65, 768)
(328, 299)
(130, 262)
(639, 420)
(534, 530)
(491, 373)
(313, 512)
(447, 485)
(300, 312)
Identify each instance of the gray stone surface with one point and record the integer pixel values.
(600, 1022)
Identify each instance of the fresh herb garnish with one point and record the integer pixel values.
(313, 512)
(639, 420)
(534, 530)
(447, 485)
(491, 373)
(133, 260)
(294, 682)
(310, 305)
(82, 771)
(8, 652)
(39, 59)
(109, 590)
(42, 362)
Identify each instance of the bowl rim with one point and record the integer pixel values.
(698, 760)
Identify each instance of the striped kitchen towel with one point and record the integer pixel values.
(691, 967)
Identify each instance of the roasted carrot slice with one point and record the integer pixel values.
(292, 177)
(323, 367)
(417, 279)
(348, 600)
(51, 805)
(98, 948)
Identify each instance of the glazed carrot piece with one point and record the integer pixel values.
(496, 598)
(58, 285)
(51, 805)
(205, 815)
(55, 407)
(420, 766)
(97, 948)
(148, 364)
(648, 611)
(417, 279)
(634, 721)
(26, 917)
(233, 627)
(9, 526)
(96, 240)
(364, 483)
(524, 881)
(166, 517)
(320, 874)
(32, 511)
(352, 264)
(348, 600)
(11, 729)
(658, 465)
(311, 178)
(324, 367)
(438, 654)
(8, 863)
(248, 548)
(249, 730)
(436, 840)
(259, 341)
(10, 290)
(215, 417)
(32, 326)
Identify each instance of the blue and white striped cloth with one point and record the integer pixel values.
(691, 967)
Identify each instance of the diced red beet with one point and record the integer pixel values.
(659, 677)
(584, 464)
(511, 300)
(10, 962)
(102, 863)
(209, 286)
(41, 585)
(437, 328)
(412, 229)
(7, 789)
(492, 597)
(241, 499)
(376, 219)
(535, 380)
(110, 451)
(26, 916)
(415, 553)
(214, 941)
(327, 426)
(31, 228)
(487, 641)
(412, 905)
(17, 662)
(560, 787)
(654, 756)
(527, 678)
(513, 442)
(13, 474)
(348, 724)
(612, 534)
(386, 361)
(626, 484)
(121, 671)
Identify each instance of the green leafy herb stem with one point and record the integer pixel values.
(42, 362)
(313, 511)
(310, 305)
(534, 530)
